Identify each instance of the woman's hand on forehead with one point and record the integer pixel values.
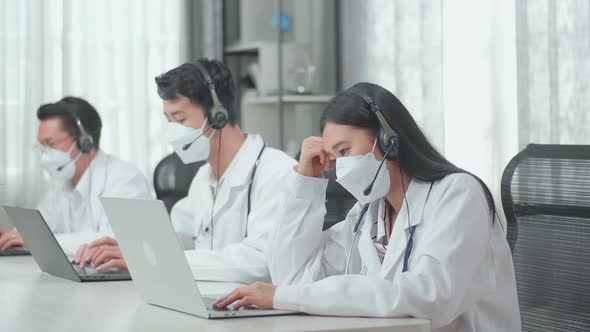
(314, 159)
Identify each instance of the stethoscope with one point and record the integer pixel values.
(249, 197)
(409, 243)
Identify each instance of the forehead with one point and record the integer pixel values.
(179, 102)
(52, 126)
(334, 133)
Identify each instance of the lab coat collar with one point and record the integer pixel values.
(96, 170)
(416, 198)
(239, 169)
(366, 244)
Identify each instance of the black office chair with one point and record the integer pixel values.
(546, 199)
(172, 179)
(338, 200)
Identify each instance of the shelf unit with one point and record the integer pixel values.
(242, 49)
(248, 37)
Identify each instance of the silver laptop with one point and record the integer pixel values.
(5, 223)
(48, 253)
(157, 263)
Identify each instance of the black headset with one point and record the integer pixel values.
(217, 115)
(387, 138)
(84, 141)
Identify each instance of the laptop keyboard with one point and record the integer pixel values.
(15, 251)
(89, 273)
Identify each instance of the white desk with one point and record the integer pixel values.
(34, 301)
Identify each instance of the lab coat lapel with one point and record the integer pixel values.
(204, 205)
(91, 186)
(366, 246)
(416, 199)
(395, 249)
(221, 201)
(237, 175)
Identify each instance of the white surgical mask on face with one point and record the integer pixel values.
(355, 173)
(60, 166)
(190, 144)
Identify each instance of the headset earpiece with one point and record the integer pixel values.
(217, 115)
(218, 112)
(219, 119)
(389, 145)
(387, 138)
(84, 141)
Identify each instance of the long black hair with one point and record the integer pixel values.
(416, 157)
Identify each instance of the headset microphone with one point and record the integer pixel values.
(188, 145)
(66, 164)
(369, 188)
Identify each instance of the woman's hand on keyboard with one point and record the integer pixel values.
(259, 294)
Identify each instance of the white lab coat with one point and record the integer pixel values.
(75, 214)
(460, 273)
(221, 252)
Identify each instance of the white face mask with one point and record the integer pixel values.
(355, 173)
(60, 166)
(182, 139)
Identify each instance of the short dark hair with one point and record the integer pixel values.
(70, 108)
(187, 80)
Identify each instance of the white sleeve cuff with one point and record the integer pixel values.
(287, 298)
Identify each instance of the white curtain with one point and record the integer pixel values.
(106, 51)
(397, 44)
(479, 87)
(553, 71)
(452, 63)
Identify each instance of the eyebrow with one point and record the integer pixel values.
(175, 113)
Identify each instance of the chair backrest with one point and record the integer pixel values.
(172, 179)
(546, 199)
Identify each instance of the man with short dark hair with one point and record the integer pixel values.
(68, 146)
(226, 220)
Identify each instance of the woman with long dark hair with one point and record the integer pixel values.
(423, 240)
